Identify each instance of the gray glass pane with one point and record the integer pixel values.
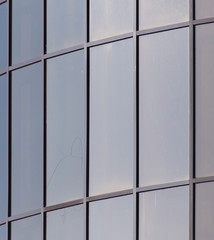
(3, 232)
(3, 146)
(65, 127)
(164, 214)
(111, 219)
(65, 24)
(66, 224)
(204, 8)
(164, 107)
(26, 30)
(204, 216)
(27, 138)
(204, 100)
(110, 17)
(3, 36)
(156, 13)
(28, 228)
(111, 117)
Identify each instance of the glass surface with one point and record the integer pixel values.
(27, 135)
(204, 8)
(3, 232)
(204, 216)
(26, 30)
(66, 224)
(109, 18)
(111, 117)
(65, 127)
(164, 214)
(111, 219)
(3, 36)
(204, 100)
(27, 228)
(156, 13)
(164, 107)
(65, 24)
(3, 146)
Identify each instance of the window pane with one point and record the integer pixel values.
(204, 9)
(111, 117)
(65, 24)
(3, 232)
(164, 107)
(26, 30)
(3, 146)
(204, 211)
(164, 214)
(27, 137)
(156, 13)
(111, 219)
(204, 100)
(110, 17)
(65, 224)
(28, 228)
(3, 36)
(65, 127)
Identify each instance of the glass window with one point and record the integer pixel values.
(204, 9)
(27, 228)
(3, 232)
(164, 107)
(3, 146)
(65, 24)
(111, 117)
(156, 13)
(27, 135)
(110, 17)
(204, 100)
(65, 127)
(3, 36)
(164, 214)
(26, 30)
(111, 219)
(66, 224)
(204, 216)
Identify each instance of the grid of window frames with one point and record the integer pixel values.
(106, 120)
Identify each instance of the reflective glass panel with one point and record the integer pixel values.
(164, 107)
(204, 100)
(26, 30)
(27, 228)
(65, 24)
(65, 224)
(204, 216)
(3, 232)
(204, 8)
(164, 214)
(3, 146)
(109, 18)
(111, 117)
(111, 219)
(156, 13)
(27, 135)
(65, 127)
(3, 36)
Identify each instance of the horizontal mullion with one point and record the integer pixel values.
(24, 215)
(203, 179)
(2, 222)
(3, 71)
(203, 21)
(2, 1)
(25, 63)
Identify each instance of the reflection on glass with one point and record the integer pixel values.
(27, 138)
(164, 214)
(110, 17)
(111, 117)
(164, 107)
(3, 232)
(65, 24)
(111, 219)
(204, 100)
(26, 30)
(65, 224)
(3, 145)
(204, 9)
(204, 218)
(65, 127)
(27, 228)
(156, 13)
(3, 36)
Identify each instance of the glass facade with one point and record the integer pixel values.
(106, 119)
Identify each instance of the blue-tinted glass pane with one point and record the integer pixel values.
(3, 36)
